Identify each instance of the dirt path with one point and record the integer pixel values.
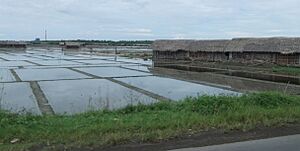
(198, 140)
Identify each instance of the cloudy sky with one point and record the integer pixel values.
(148, 19)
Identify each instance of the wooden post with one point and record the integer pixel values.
(230, 55)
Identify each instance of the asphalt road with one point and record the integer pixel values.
(287, 143)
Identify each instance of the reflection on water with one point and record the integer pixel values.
(6, 76)
(17, 98)
(174, 89)
(112, 72)
(48, 74)
(14, 63)
(77, 96)
(70, 92)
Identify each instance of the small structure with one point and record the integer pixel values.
(37, 41)
(13, 44)
(71, 45)
(283, 51)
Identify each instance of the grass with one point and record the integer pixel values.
(287, 70)
(155, 122)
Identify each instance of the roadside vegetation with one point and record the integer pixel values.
(287, 70)
(151, 123)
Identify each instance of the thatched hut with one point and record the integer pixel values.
(72, 45)
(284, 51)
(12, 44)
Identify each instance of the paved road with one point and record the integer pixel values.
(287, 143)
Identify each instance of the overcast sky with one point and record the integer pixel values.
(148, 19)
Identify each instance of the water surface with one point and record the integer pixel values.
(18, 98)
(174, 89)
(48, 74)
(6, 75)
(77, 96)
(112, 72)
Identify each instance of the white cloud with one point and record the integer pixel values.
(180, 36)
(274, 31)
(239, 34)
(143, 19)
(137, 31)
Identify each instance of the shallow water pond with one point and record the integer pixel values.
(18, 98)
(77, 96)
(174, 89)
(112, 72)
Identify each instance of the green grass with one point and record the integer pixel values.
(287, 70)
(156, 122)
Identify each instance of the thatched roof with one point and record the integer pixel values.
(281, 45)
(12, 43)
(171, 45)
(208, 45)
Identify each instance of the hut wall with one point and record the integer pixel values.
(180, 55)
(208, 56)
(278, 50)
(12, 46)
(240, 57)
(288, 59)
(72, 47)
(170, 55)
(250, 57)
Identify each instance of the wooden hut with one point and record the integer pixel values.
(284, 51)
(72, 45)
(12, 44)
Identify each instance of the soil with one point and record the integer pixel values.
(215, 137)
(233, 83)
(262, 68)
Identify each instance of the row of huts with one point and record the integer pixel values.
(12, 44)
(284, 51)
(23, 45)
(72, 45)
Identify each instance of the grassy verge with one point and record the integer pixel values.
(151, 123)
(287, 70)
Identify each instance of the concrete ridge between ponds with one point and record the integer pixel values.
(4, 59)
(16, 76)
(41, 99)
(32, 62)
(147, 93)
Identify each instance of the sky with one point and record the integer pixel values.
(148, 19)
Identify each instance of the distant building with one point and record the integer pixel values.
(71, 45)
(12, 44)
(283, 51)
(37, 41)
(61, 44)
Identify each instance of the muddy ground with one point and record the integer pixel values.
(260, 68)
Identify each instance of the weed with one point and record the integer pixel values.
(287, 70)
(158, 121)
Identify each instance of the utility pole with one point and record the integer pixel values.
(46, 36)
(116, 53)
